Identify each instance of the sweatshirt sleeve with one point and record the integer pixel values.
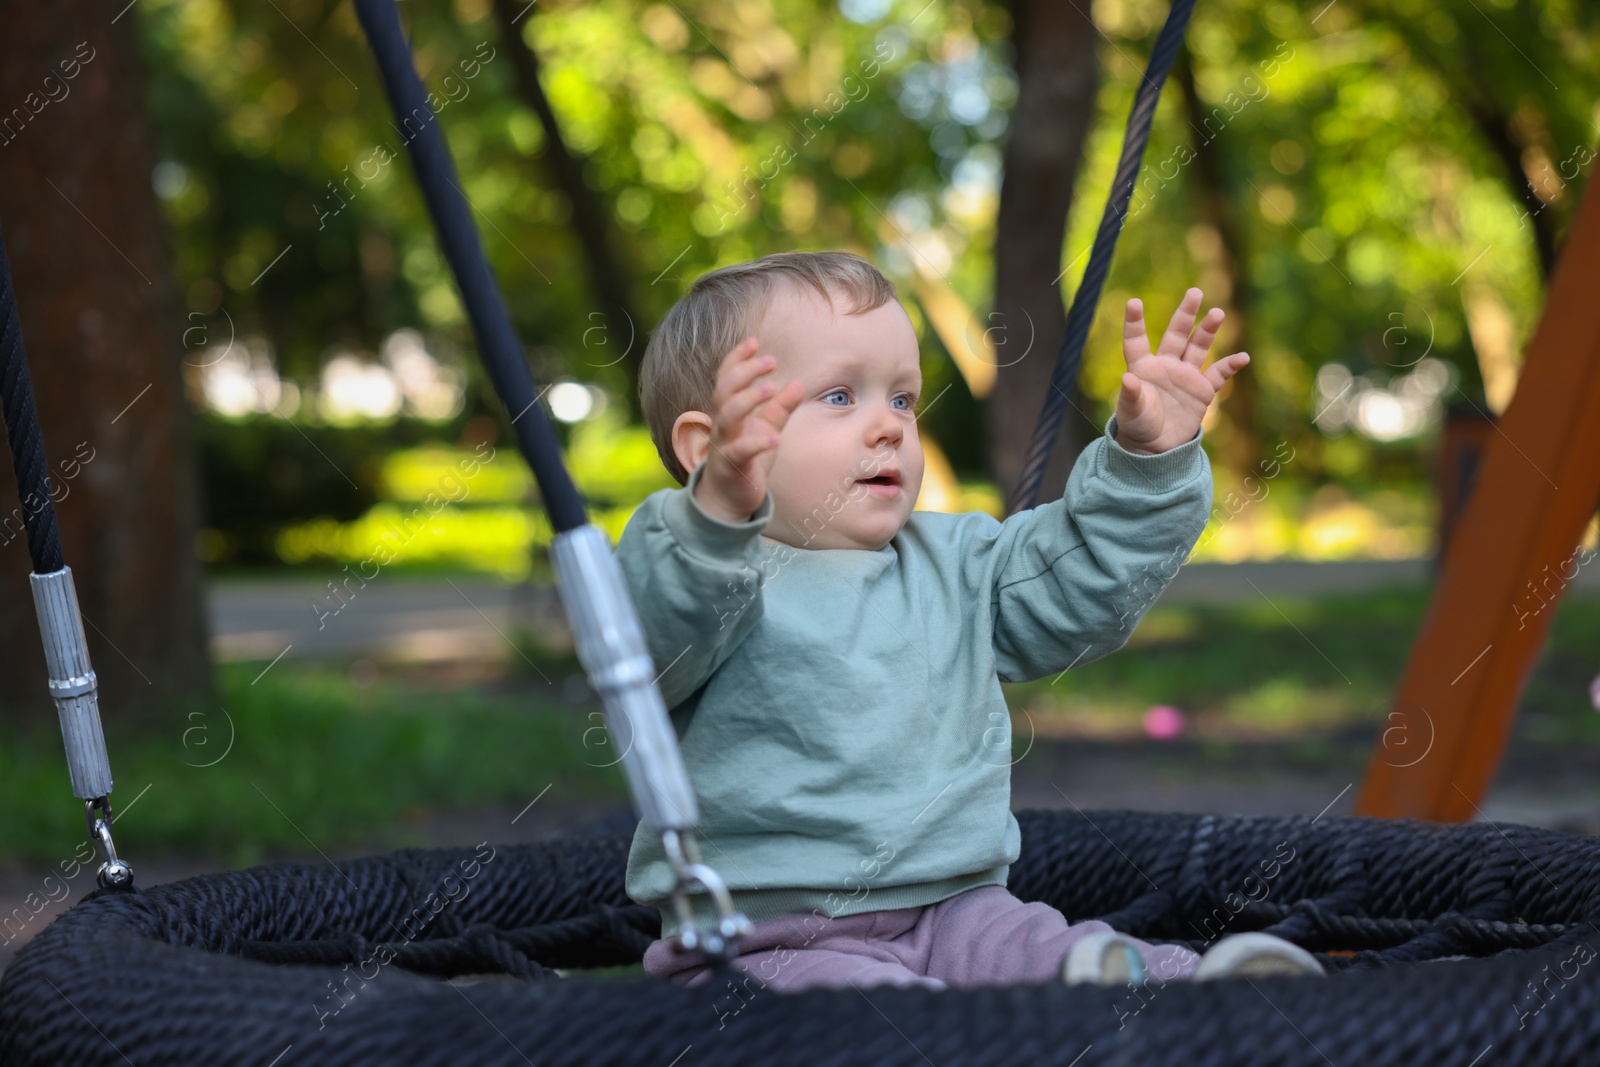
(1069, 580)
(695, 582)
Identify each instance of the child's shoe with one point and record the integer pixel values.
(1255, 955)
(1106, 958)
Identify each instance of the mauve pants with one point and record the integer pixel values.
(982, 937)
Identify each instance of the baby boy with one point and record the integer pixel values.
(832, 659)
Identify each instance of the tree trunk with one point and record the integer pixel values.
(1471, 86)
(1495, 127)
(101, 323)
(1056, 77)
(621, 337)
(1241, 447)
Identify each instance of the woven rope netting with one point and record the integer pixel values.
(354, 964)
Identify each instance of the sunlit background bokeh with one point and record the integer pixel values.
(1361, 186)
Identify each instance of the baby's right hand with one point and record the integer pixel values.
(745, 429)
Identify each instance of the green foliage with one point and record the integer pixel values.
(262, 474)
(614, 463)
(1553, 708)
(1362, 149)
(488, 520)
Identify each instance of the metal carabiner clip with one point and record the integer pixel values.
(718, 942)
(113, 873)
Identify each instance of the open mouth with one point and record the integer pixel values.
(890, 478)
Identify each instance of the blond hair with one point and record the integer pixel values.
(721, 309)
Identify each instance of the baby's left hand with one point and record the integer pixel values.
(1165, 395)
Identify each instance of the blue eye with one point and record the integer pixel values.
(837, 392)
(908, 402)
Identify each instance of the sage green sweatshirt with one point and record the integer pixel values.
(840, 711)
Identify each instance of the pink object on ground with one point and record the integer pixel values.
(1163, 722)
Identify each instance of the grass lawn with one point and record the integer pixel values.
(1291, 668)
(316, 761)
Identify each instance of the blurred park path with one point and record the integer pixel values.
(434, 619)
(419, 619)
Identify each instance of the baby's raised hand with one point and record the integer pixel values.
(745, 428)
(1165, 395)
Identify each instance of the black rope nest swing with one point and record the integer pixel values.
(238, 968)
(1446, 944)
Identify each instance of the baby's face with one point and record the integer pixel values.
(849, 463)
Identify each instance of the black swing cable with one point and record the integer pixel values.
(22, 433)
(73, 686)
(498, 345)
(1081, 316)
(605, 625)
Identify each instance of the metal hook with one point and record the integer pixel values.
(113, 873)
(718, 942)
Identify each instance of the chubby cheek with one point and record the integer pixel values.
(914, 467)
(806, 467)
(913, 486)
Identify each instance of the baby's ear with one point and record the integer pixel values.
(691, 438)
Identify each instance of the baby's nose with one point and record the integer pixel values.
(886, 424)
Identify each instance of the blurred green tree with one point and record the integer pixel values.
(1321, 173)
